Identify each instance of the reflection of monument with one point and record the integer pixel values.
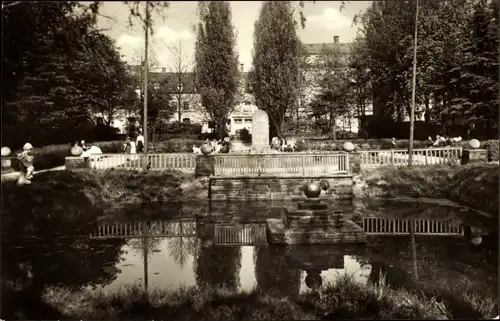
(313, 223)
(273, 273)
(316, 258)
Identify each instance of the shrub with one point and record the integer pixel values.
(167, 130)
(176, 145)
(245, 135)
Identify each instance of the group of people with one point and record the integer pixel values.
(133, 147)
(282, 145)
(441, 141)
(217, 146)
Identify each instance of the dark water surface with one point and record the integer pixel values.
(172, 249)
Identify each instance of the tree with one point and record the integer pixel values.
(105, 76)
(180, 68)
(216, 61)
(275, 76)
(43, 100)
(159, 107)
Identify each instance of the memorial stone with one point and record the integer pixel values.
(260, 132)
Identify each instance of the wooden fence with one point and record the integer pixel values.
(181, 162)
(241, 234)
(288, 163)
(177, 228)
(389, 226)
(399, 157)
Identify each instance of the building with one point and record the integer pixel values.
(187, 102)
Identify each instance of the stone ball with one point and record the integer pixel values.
(206, 149)
(324, 184)
(474, 143)
(348, 146)
(476, 240)
(6, 151)
(76, 151)
(313, 280)
(312, 190)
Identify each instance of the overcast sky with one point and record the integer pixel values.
(324, 21)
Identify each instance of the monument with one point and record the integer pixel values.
(313, 223)
(260, 132)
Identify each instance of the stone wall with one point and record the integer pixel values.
(276, 187)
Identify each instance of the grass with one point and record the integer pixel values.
(82, 197)
(344, 299)
(475, 185)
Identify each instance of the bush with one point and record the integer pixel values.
(165, 131)
(176, 145)
(245, 135)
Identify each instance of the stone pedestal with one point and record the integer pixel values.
(76, 163)
(313, 222)
(8, 164)
(474, 156)
(260, 132)
(204, 165)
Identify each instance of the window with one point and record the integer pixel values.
(229, 122)
(238, 121)
(186, 121)
(248, 120)
(185, 105)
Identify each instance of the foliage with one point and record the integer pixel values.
(216, 61)
(346, 299)
(275, 68)
(165, 129)
(457, 65)
(59, 70)
(217, 266)
(335, 82)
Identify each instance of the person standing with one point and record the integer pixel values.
(139, 142)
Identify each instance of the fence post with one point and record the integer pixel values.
(303, 161)
(347, 169)
(426, 162)
(392, 156)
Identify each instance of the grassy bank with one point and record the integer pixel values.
(474, 185)
(343, 299)
(76, 198)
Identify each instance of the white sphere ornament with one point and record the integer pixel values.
(6, 151)
(474, 143)
(76, 151)
(348, 146)
(476, 240)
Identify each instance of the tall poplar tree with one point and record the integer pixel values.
(276, 57)
(216, 62)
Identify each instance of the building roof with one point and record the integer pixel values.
(319, 48)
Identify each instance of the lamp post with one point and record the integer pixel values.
(414, 84)
(146, 71)
(180, 87)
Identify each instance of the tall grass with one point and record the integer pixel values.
(344, 299)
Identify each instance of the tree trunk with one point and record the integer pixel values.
(427, 108)
(179, 106)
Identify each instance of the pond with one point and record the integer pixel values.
(185, 250)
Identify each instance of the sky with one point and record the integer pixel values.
(174, 29)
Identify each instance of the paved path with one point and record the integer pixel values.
(15, 175)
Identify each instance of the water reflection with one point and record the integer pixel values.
(169, 254)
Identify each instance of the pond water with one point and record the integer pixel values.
(172, 249)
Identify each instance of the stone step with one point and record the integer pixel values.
(305, 205)
(309, 212)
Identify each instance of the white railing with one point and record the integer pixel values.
(181, 162)
(178, 228)
(289, 163)
(399, 157)
(242, 234)
(390, 226)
